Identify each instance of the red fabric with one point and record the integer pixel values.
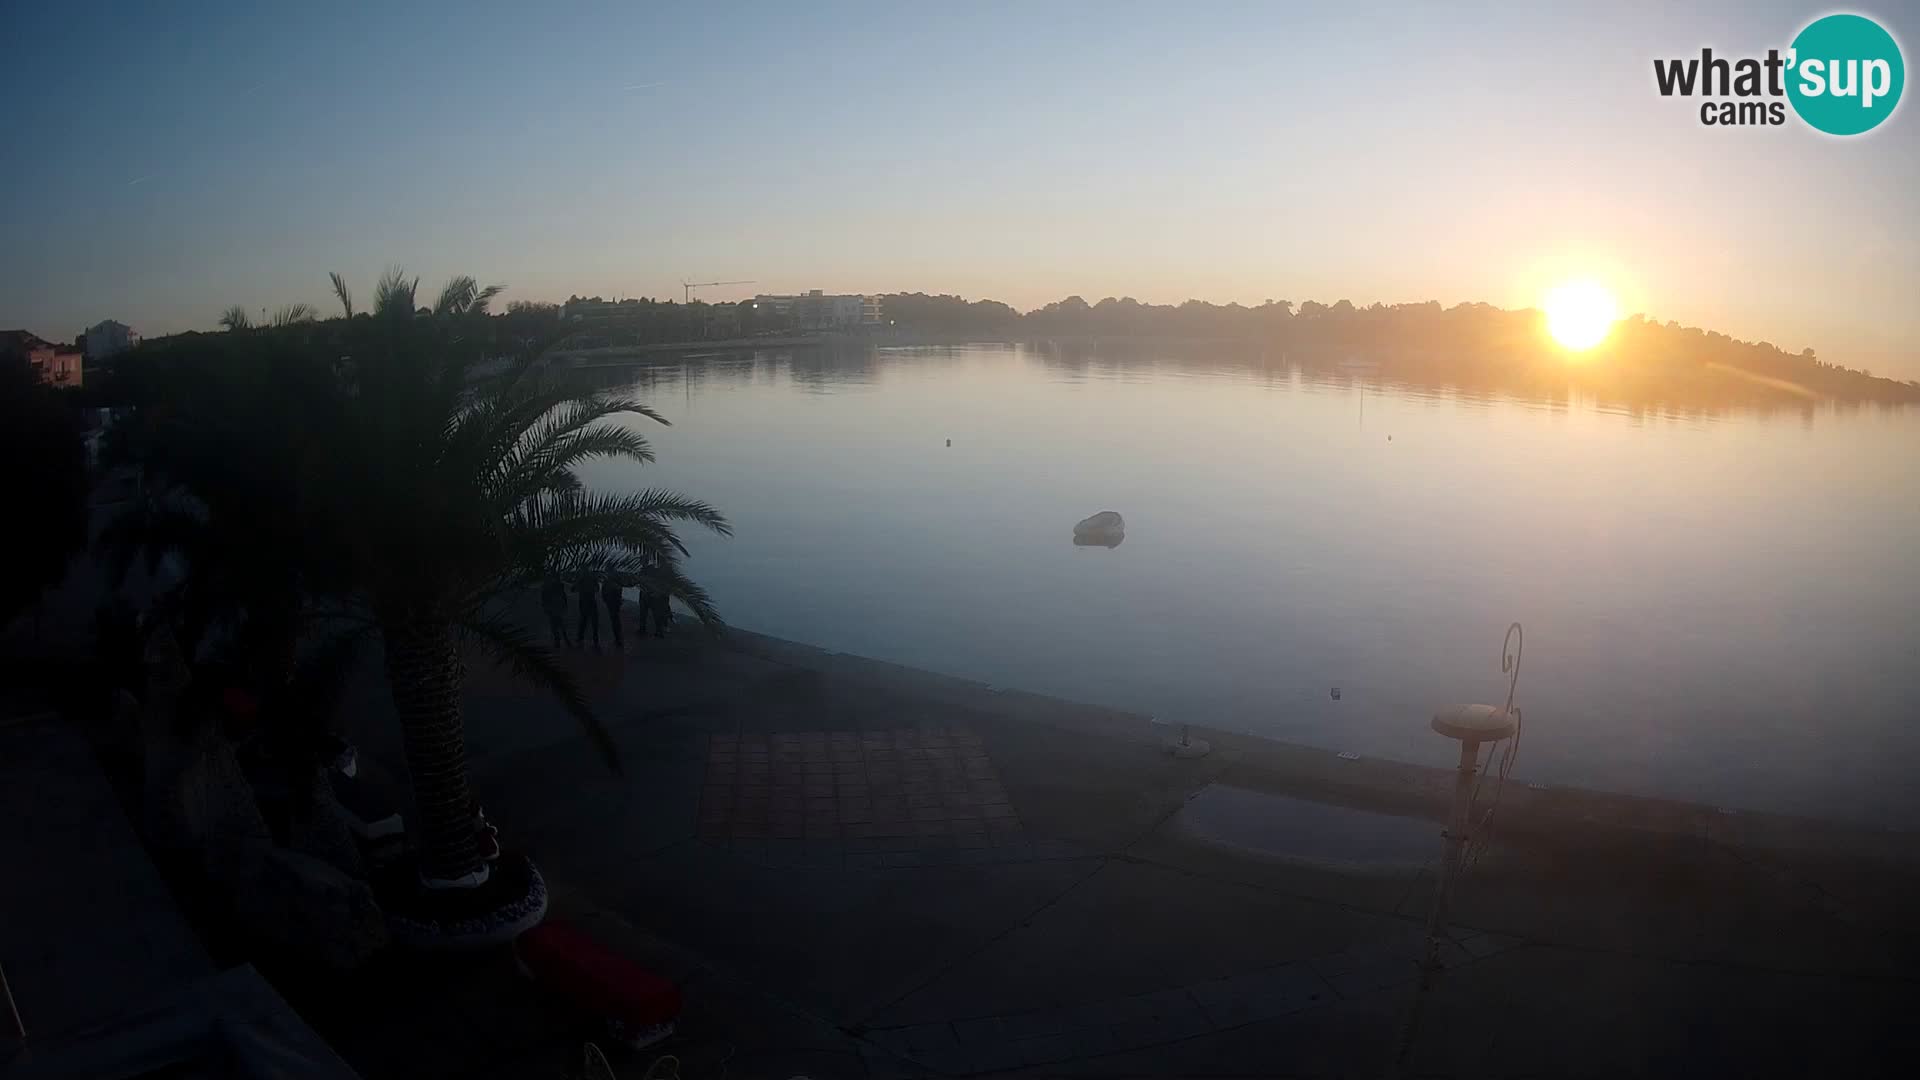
(567, 961)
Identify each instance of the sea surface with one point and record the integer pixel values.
(1719, 605)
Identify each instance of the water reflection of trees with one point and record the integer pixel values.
(1538, 376)
(1644, 367)
(1541, 378)
(818, 369)
(1643, 363)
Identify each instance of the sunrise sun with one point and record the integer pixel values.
(1580, 314)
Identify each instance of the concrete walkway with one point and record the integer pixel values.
(858, 870)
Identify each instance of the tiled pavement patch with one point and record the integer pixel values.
(876, 795)
(1019, 1040)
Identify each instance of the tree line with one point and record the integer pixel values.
(1468, 342)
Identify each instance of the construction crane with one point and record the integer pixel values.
(689, 286)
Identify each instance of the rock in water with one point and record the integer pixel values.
(1106, 527)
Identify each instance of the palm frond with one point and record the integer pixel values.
(494, 421)
(345, 295)
(564, 531)
(478, 305)
(559, 441)
(502, 408)
(463, 295)
(658, 503)
(668, 577)
(600, 440)
(635, 405)
(235, 318)
(394, 293)
(293, 313)
(457, 294)
(653, 506)
(574, 554)
(513, 647)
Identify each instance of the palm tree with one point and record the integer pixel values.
(288, 314)
(395, 492)
(346, 297)
(463, 296)
(393, 293)
(456, 496)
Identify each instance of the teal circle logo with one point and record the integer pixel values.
(1845, 74)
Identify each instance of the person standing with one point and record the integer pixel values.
(585, 593)
(611, 594)
(553, 597)
(662, 614)
(655, 603)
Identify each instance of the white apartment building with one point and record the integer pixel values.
(815, 310)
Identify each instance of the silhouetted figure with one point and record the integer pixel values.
(662, 615)
(655, 604)
(553, 598)
(585, 588)
(611, 594)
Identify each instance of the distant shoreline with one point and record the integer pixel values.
(1690, 387)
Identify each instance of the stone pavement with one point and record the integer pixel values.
(108, 976)
(88, 928)
(807, 841)
(918, 787)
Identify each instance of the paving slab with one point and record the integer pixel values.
(839, 942)
(1134, 928)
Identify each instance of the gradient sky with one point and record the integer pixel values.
(167, 162)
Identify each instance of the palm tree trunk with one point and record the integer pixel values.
(424, 670)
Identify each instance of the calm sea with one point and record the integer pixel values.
(1720, 606)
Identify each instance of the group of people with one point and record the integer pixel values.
(591, 590)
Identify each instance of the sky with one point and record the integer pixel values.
(167, 162)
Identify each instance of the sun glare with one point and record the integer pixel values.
(1580, 314)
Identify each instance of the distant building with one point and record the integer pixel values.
(57, 365)
(816, 310)
(109, 337)
(594, 308)
(67, 368)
